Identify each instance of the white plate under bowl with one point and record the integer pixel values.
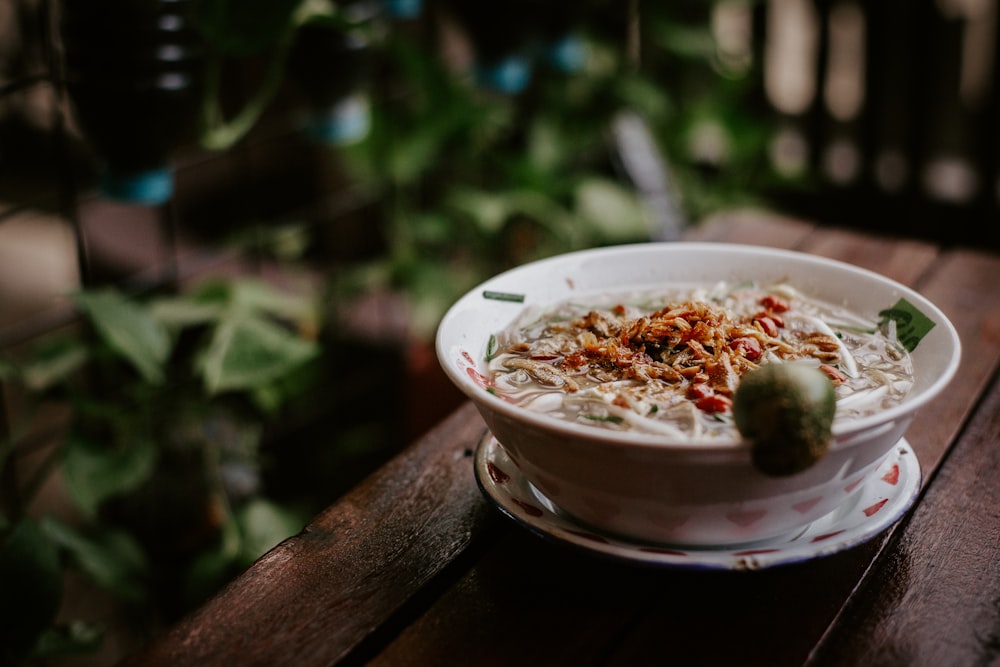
(883, 499)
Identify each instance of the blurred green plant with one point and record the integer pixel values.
(168, 396)
(465, 183)
(468, 183)
(262, 32)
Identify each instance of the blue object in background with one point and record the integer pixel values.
(344, 123)
(150, 187)
(403, 9)
(566, 54)
(509, 75)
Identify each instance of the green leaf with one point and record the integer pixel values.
(546, 146)
(110, 557)
(185, 311)
(487, 210)
(264, 524)
(246, 27)
(412, 153)
(130, 330)
(31, 581)
(911, 324)
(8, 371)
(54, 363)
(251, 296)
(611, 209)
(249, 352)
(214, 566)
(70, 639)
(95, 473)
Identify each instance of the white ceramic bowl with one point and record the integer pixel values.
(645, 486)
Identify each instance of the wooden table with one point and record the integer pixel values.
(415, 567)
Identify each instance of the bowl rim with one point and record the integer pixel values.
(844, 431)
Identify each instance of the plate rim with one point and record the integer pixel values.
(839, 530)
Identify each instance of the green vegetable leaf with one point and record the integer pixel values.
(31, 581)
(94, 473)
(129, 330)
(110, 557)
(911, 324)
(614, 419)
(248, 352)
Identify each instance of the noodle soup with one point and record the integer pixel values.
(668, 363)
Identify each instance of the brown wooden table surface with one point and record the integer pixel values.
(415, 567)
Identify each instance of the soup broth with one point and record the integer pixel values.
(670, 362)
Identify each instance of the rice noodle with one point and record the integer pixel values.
(669, 363)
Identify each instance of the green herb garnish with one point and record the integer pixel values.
(911, 324)
(503, 296)
(604, 418)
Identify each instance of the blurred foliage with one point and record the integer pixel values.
(168, 395)
(468, 182)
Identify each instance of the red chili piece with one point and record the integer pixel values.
(714, 403)
(774, 303)
(768, 325)
(835, 374)
(698, 391)
(748, 347)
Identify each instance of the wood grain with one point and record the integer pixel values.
(317, 596)
(934, 599)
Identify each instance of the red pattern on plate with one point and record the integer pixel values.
(665, 552)
(871, 509)
(853, 485)
(527, 507)
(849, 527)
(826, 536)
(746, 518)
(892, 475)
(806, 505)
(496, 474)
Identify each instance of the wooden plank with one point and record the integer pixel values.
(964, 286)
(317, 596)
(934, 600)
(899, 259)
(526, 602)
(531, 602)
(751, 227)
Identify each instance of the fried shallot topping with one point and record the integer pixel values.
(695, 345)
